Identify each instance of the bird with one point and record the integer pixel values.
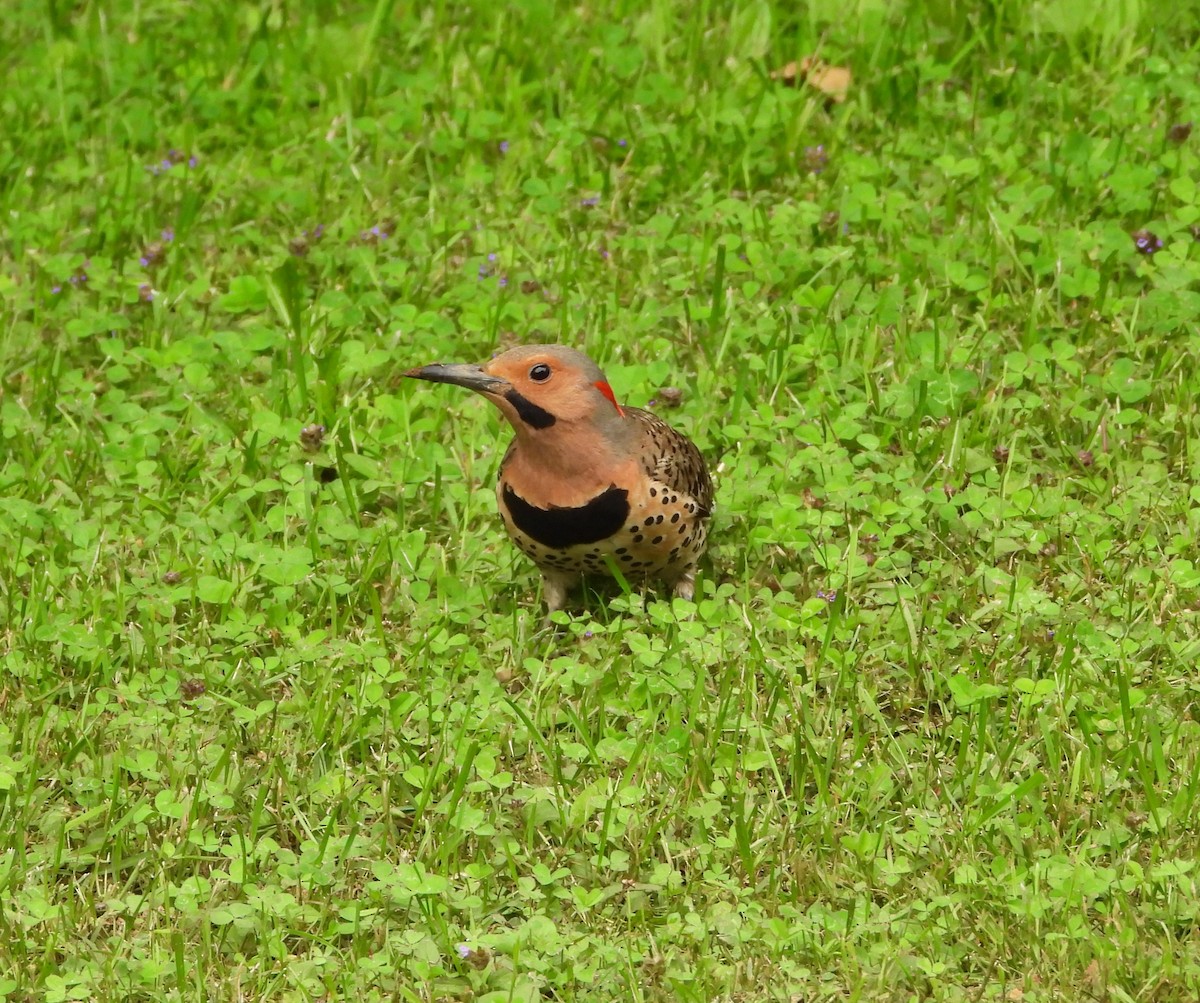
(587, 484)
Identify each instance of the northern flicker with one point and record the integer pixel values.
(586, 481)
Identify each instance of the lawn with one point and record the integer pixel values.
(279, 717)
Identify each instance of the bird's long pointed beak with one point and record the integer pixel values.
(462, 375)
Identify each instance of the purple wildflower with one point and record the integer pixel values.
(463, 951)
(146, 293)
(299, 246)
(829, 596)
(604, 253)
(815, 158)
(168, 235)
(587, 635)
(56, 290)
(503, 146)
(590, 201)
(621, 142)
(492, 256)
(193, 160)
(151, 254)
(372, 236)
(172, 158)
(503, 281)
(1146, 242)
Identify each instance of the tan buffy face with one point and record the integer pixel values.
(572, 439)
(558, 381)
(551, 394)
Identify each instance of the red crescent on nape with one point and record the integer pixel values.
(605, 389)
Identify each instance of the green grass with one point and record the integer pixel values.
(279, 724)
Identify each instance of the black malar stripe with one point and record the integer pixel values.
(528, 411)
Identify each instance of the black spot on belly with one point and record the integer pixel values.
(528, 411)
(595, 520)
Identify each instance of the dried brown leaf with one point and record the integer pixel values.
(832, 81)
(787, 74)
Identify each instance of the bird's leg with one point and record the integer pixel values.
(685, 585)
(555, 585)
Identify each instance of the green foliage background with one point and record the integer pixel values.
(280, 724)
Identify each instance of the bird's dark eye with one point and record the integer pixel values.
(540, 373)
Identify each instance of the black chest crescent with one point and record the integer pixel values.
(598, 519)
